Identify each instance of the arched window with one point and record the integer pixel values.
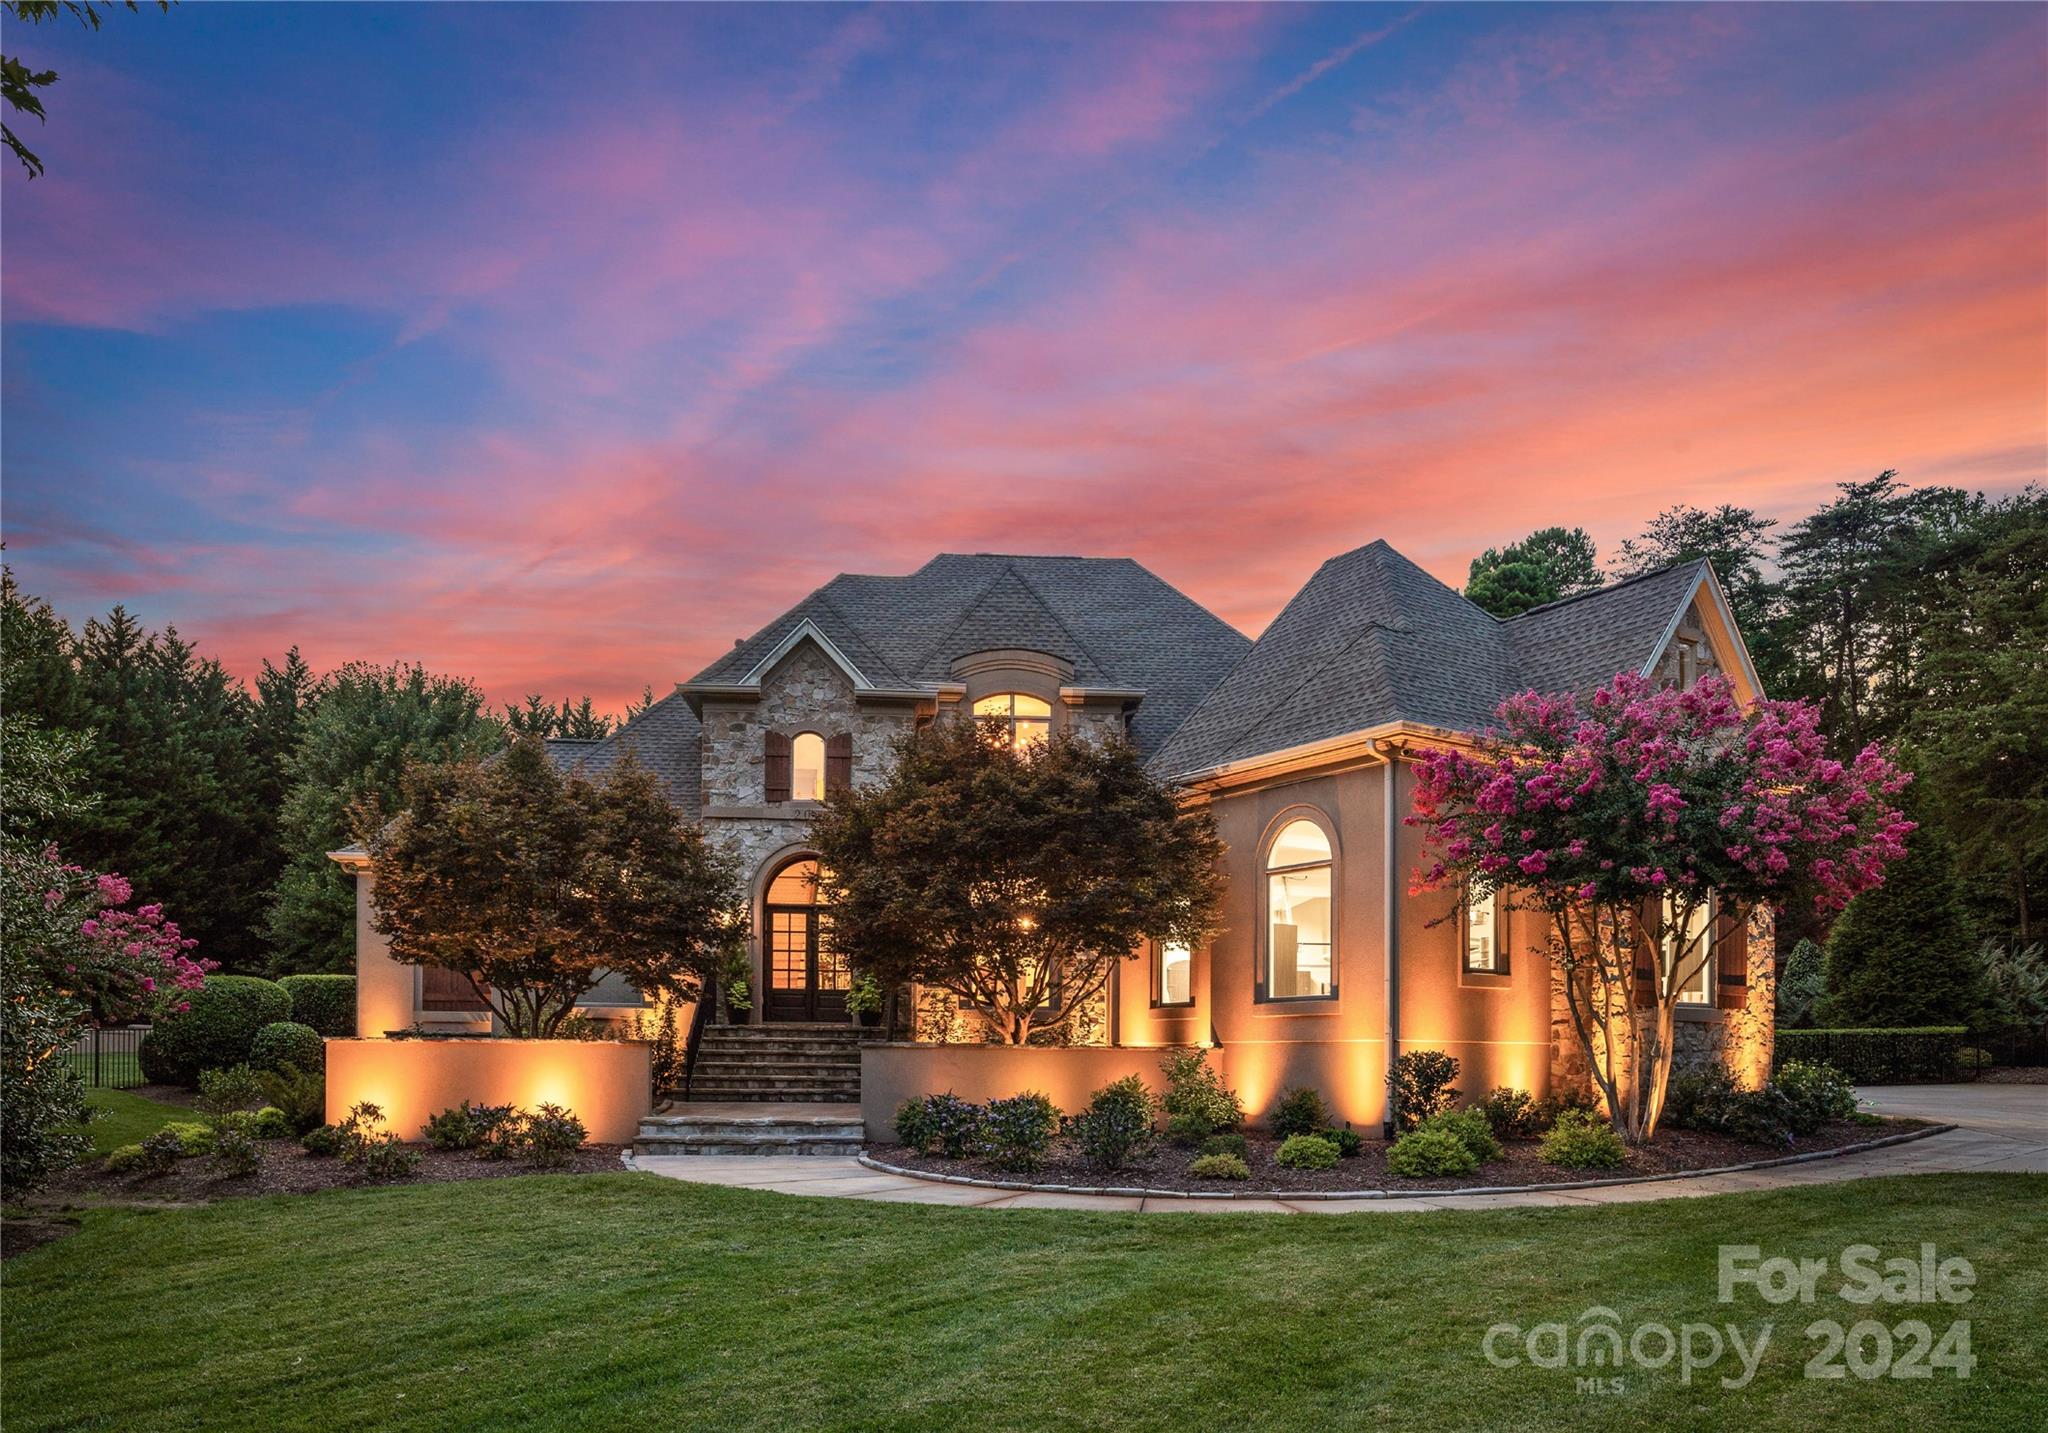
(1300, 934)
(807, 978)
(1028, 719)
(807, 767)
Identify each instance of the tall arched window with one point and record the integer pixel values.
(1029, 720)
(1300, 933)
(807, 767)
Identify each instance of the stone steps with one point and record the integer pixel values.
(800, 1129)
(777, 1064)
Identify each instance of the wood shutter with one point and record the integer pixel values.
(1731, 960)
(445, 989)
(775, 775)
(838, 762)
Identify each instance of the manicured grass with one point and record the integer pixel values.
(624, 1301)
(128, 1119)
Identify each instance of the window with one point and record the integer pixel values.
(1484, 953)
(1693, 945)
(807, 767)
(1298, 927)
(1176, 972)
(1029, 720)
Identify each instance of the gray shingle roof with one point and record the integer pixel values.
(665, 740)
(1118, 624)
(1372, 638)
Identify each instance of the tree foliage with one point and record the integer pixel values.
(1619, 819)
(1547, 565)
(1012, 879)
(537, 884)
(537, 716)
(19, 83)
(1735, 540)
(1901, 955)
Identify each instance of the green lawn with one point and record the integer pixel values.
(623, 1301)
(127, 1119)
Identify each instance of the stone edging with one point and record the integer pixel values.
(870, 1162)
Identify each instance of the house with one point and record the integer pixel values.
(1325, 965)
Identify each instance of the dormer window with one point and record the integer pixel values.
(1027, 719)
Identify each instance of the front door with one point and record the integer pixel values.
(807, 980)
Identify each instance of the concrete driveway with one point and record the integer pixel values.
(2014, 1113)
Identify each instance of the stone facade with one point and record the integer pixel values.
(1690, 654)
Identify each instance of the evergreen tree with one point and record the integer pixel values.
(540, 717)
(1901, 954)
(1735, 540)
(1546, 565)
(366, 723)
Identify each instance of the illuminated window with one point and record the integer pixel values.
(807, 767)
(1483, 952)
(1691, 946)
(1028, 719)
(1176, 972)
(1299, 950)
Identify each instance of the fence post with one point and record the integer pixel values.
(96, 1057)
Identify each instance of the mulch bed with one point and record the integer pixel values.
(1673, 1152)
(288, 1169)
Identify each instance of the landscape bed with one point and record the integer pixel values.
(1675, 1151)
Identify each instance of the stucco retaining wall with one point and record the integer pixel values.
(606, 1083)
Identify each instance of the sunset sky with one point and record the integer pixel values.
(559, 346)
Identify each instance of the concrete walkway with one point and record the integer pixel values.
(2003, 1129)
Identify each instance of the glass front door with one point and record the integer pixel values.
(807, 979)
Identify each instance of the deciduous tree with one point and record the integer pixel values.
(1548, 564)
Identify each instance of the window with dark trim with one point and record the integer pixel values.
(1174, 975)
(1483, 921)
(1300, 958)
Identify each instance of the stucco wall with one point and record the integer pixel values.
(606, 1084)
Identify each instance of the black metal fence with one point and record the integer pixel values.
(108, 1058)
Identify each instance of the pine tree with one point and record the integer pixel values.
(1901, 954)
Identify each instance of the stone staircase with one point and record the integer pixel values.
(713, 1129)
(782, 1064)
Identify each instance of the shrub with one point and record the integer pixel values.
(1220, 1166)
(1016, 1132)
(1306, 1151)
(453, 1128)
(1971, 1059)
(1300, 1111)
(300, 1094)
(272, 1123)
(1580, 1140)
(913, 1125)
(501, 1130)
(1708, 1099)
(1430, 1154)
(322, 1141)
(1570, 1097)
(235, 1149)
(953, 1125)
(39, 1098)
(216, 1029)
(229, 1091)
(1818, 1091)
(1227, 1144)
(1469, 1128)
(193, 1138)
(128, 1159)
(1420, 1086)
(1197, 1103)
(1801, 986)
(325, 1004)
(1348, 1141)
(1513, 1114)
(1879, 1055)
(286, 1043)
(549, 1136)
(368, 1149)
(1117, 1125)
(160, 1150)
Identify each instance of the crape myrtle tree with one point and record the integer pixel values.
(1623, 818)
(1012, 879)
(536, 884)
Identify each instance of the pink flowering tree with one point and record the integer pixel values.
(1635, 821)
(90, 947)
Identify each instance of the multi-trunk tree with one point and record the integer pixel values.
(1014, 880)
(1635, 823)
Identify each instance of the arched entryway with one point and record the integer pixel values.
(806, 979)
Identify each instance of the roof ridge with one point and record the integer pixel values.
(852, 629)
(967, 609)
(1072, 636)
(1602, 589)
(1371, 625)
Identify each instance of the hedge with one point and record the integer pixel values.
(326, 1003)
(216, 1030)
(1879, 1055)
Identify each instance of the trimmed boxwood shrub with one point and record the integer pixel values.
(286, 1042)
(216, 1029)
(1469, 1128)
(1220, 1166)
(1300, 1111)
(1582, 1140)
(1306, 1151)
(272, 1123)
(1430, 1154)
(324, 1003)
(1879, 1055)
(1349, 1141)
